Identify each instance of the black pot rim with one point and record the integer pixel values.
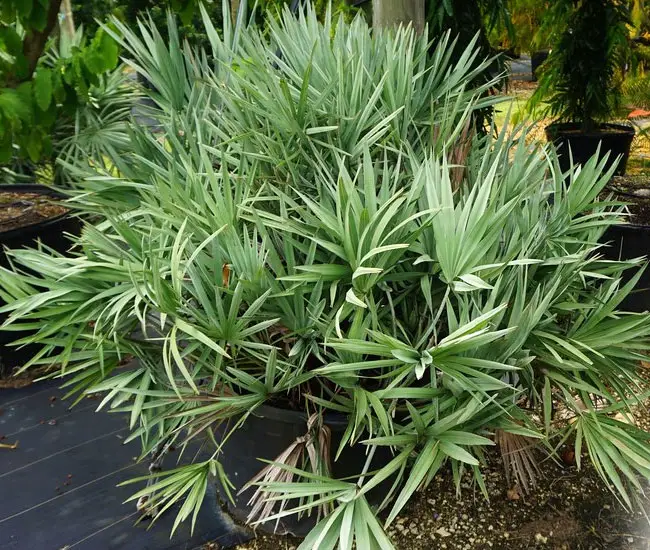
(630, 227)
(32, 188)
(601, 129)
(626, 226)
(286, 416)
(613, 189)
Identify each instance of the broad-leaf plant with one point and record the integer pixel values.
(46, 81)
(318, 227)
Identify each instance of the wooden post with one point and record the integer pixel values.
(387, 13)
(67, 25)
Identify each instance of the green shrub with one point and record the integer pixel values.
(636, 91)
(47, 84)
(320, 228)
(581, 80)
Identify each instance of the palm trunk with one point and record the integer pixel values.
(67, 25)
(389, 13)
(234, 9)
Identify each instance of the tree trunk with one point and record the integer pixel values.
(234, 10)
(34, 42)
(388, 13)
(67, 25)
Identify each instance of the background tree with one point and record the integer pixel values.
(67, 19)
(393, 12)
(37, 90)
(582, 78)
(519, 27)
(88, 12)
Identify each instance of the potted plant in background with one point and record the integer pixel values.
(61, 100)
(537, 59)
(29, 215)
(582, 79)
(631, 239)
(303, 277)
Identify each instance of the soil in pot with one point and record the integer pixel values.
(20, 209)
(632, 240)
(29, 213)
(572, 140)
(635, 191)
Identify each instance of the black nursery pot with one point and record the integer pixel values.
(536, 60)
(50, 232)
(267, 433)
(613, 138)
(627, 242)
(510, 53)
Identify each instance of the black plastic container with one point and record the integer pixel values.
(536, 60)
(510, 53)
(627, 242)
(613, 138)
(267, 433)
(51, 232)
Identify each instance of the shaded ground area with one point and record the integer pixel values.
(59, 485)
(59, 489)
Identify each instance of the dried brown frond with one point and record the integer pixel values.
(280, 335)
(518, 459)
(310, 450)
(459, 154)
(225, 275)
(209, 422)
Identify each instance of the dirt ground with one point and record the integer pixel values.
(569, 510)
(22, 380)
